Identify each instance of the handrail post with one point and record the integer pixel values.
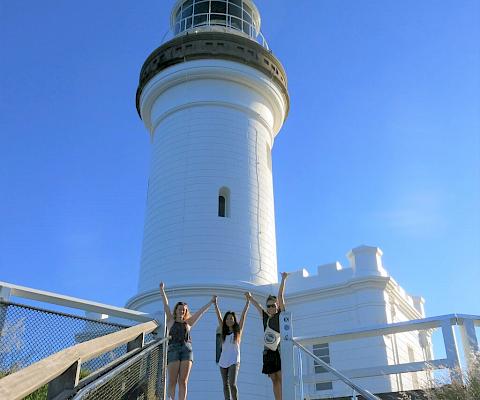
(4, 296)
(5, 293)
(286, 353)
(365, 393)
(64, 383)
(300, 374)
(469, 341)
(161, 390)
(451, 352)
(136, 343)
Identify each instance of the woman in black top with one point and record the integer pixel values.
(180, 356)
(271, 326)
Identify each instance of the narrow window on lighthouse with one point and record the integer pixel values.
(221, 206)
(224, 202)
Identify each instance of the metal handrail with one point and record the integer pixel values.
(8, 290)
(365, 393)
(90, 384)
(259, 37)
(469, 340)
(388, 329)
(65, 365)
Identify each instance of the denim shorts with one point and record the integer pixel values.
(179, 352)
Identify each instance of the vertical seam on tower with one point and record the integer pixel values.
(187, 167)
(258, 206)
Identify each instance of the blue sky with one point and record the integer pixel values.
(381, 147)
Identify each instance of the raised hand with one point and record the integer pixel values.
(162, 287)
(214, 299)
(285, 275)
(248, 296)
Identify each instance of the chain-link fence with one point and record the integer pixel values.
(29, 334)
(142, 377)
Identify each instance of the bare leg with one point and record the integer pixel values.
(173, 370)
(276, 378)
(185, 367)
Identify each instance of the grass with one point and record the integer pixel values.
(41, 393)
(469, 390)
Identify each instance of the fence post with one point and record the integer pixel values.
(451, 351)
(136, 343)
(65, 383)
(5, 293)
(300, 374)
(286, 353)
(161, 391)
(469, 341)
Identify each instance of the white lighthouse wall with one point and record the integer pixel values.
(208, 135)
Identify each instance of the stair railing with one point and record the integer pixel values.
(61, 371)
(465, 323)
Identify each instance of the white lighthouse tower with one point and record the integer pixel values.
(213, 99)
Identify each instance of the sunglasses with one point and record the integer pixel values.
(271, 305)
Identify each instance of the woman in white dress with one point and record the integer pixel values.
(229, 361)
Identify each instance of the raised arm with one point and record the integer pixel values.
(217, 311)
(257, 305)
(195, 317)
(166, 307)
(245, 310)
(281, 292)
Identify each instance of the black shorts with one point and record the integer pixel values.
(271, 361)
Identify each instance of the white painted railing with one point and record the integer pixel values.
(95, 310)
(257, 37)
(446, 323)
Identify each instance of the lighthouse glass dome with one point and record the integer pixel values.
(239, 15)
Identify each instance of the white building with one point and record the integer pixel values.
(213, 99)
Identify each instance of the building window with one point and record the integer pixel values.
(230, 13)
(322, 351)
(224, 202)
(411, 358)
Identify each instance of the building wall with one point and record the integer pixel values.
(341, 299)
(406, 347)
(348, 308)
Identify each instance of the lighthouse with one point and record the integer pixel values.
(213, 99)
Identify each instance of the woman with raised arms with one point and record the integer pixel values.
(180, 355)
(231, 334)
(271, 326)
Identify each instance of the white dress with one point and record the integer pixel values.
(230, 352)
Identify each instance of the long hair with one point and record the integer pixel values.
(186, 315)
(235, 328)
